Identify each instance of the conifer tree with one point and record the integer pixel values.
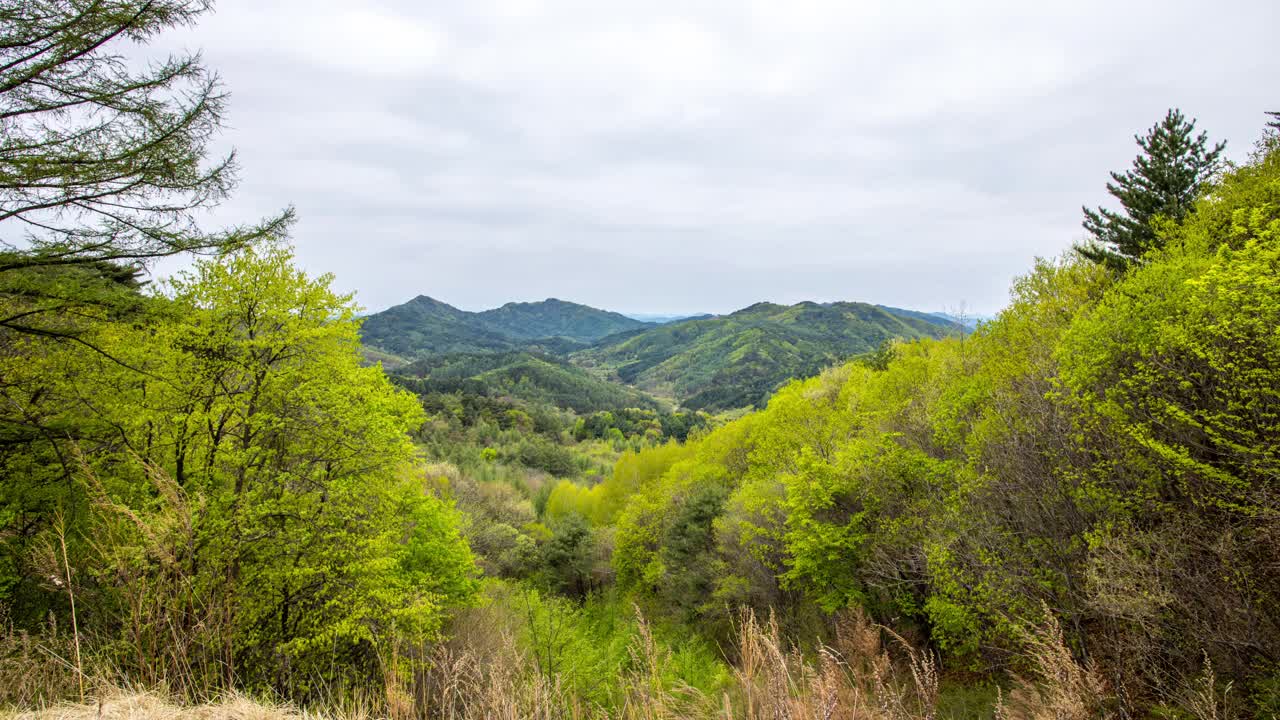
(101, 161)
(105, 163)
(1165, 181)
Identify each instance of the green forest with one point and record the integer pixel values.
(708, 362)
(425, 327)
(228, 493)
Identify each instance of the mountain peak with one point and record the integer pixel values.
(427, 304)
(763, 306)
(424, 326)
(554, 317)
(429, 301)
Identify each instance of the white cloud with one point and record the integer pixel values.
(699, 153)
(360, 37)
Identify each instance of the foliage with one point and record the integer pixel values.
(424, 327)
(243, 482)
(1106, 447)
(532, 378)
(738, 360)
(1165, 182)
(210, 484)
(639, 422)
(102, 161)
(1179, 363)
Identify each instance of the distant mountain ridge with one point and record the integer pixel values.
(737, 360)
(522, 375)
(661, 319)
(967, 320)
(556, 318)
(709, 362)
(424, 326)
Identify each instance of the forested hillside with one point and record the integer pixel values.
(1099, 462)
(424, 326)
(556, 318)
(522, 375)
(737, 360)
(212, 505)
(711, 363)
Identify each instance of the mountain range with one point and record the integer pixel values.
(425, 326)
(739, 359)
(530, 377)
(710, 362)
(661, 319)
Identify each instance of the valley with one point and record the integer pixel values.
(228, 493)
(703, 363)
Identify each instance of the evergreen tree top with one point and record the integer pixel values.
(1164, 181)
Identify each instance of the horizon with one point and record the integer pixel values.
(638, 314)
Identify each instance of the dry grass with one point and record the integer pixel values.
(853, 679)
(36, 669)
(1206, 698)
(1059, 687)
(121, 705)
(866, 673)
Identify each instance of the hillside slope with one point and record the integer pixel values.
(554, 318)
(521, 375)
(736, 360)
(424, 327)
(705, 363)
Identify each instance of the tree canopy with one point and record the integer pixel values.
(1164, 182)
(100, 161)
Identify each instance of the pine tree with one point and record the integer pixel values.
(101, 161)
(1165, 181)
(106, 163)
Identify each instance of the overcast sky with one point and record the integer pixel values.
(685, 155)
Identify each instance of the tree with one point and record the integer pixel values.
(101, 162)
(1164, 182)
(566, 557)
(250, 483)
(1175, 373)
(98, 161)
(103, 167)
